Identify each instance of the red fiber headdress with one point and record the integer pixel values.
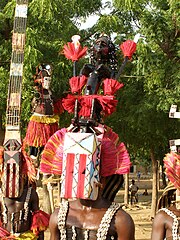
(114, 155)
(172, 165)
(51, 159)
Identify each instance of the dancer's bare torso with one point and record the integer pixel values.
(13, 218)
(85, 218)
(163, 224)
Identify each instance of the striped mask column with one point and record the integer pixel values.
(11, 184)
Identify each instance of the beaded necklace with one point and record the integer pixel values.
(103, 227)
(175, 234)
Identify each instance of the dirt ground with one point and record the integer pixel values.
(140, 212)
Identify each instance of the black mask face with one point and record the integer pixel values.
(101, 48)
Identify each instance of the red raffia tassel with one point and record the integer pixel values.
(40, 221)
(128, 48)
(58, 108)
(86, 105)
(108, 104)
(110, 86)
(73, 50)
(69, 103)
(52, 155)
(172, 165)
(4, 233)
(77, 83)
(114, 155)
(28, 167)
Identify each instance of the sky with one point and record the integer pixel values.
(91, 20)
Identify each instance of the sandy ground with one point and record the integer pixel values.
(140, 212)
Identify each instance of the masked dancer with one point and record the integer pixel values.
(88, 154)
(167, 220)
(21, 217)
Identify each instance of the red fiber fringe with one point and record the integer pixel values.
(40, 221)
(58, 108)
(108, 104)
(72, 53)
(3, 233)
(110, 86)
(114, 155)
(38, 134)
(51, 158)
(77, 83)
(172, 165)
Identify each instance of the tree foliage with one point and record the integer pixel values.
(50, 24)
(142, 118)
(153, 84)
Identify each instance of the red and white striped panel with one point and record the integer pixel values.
(81, 162)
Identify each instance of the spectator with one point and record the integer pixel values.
(133, 188)
(145, 193)
(138, 175)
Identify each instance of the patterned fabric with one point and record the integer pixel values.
(172, 165)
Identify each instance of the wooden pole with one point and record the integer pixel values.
(126, 190)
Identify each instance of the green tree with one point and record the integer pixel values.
(50, 24)
(142, 117)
